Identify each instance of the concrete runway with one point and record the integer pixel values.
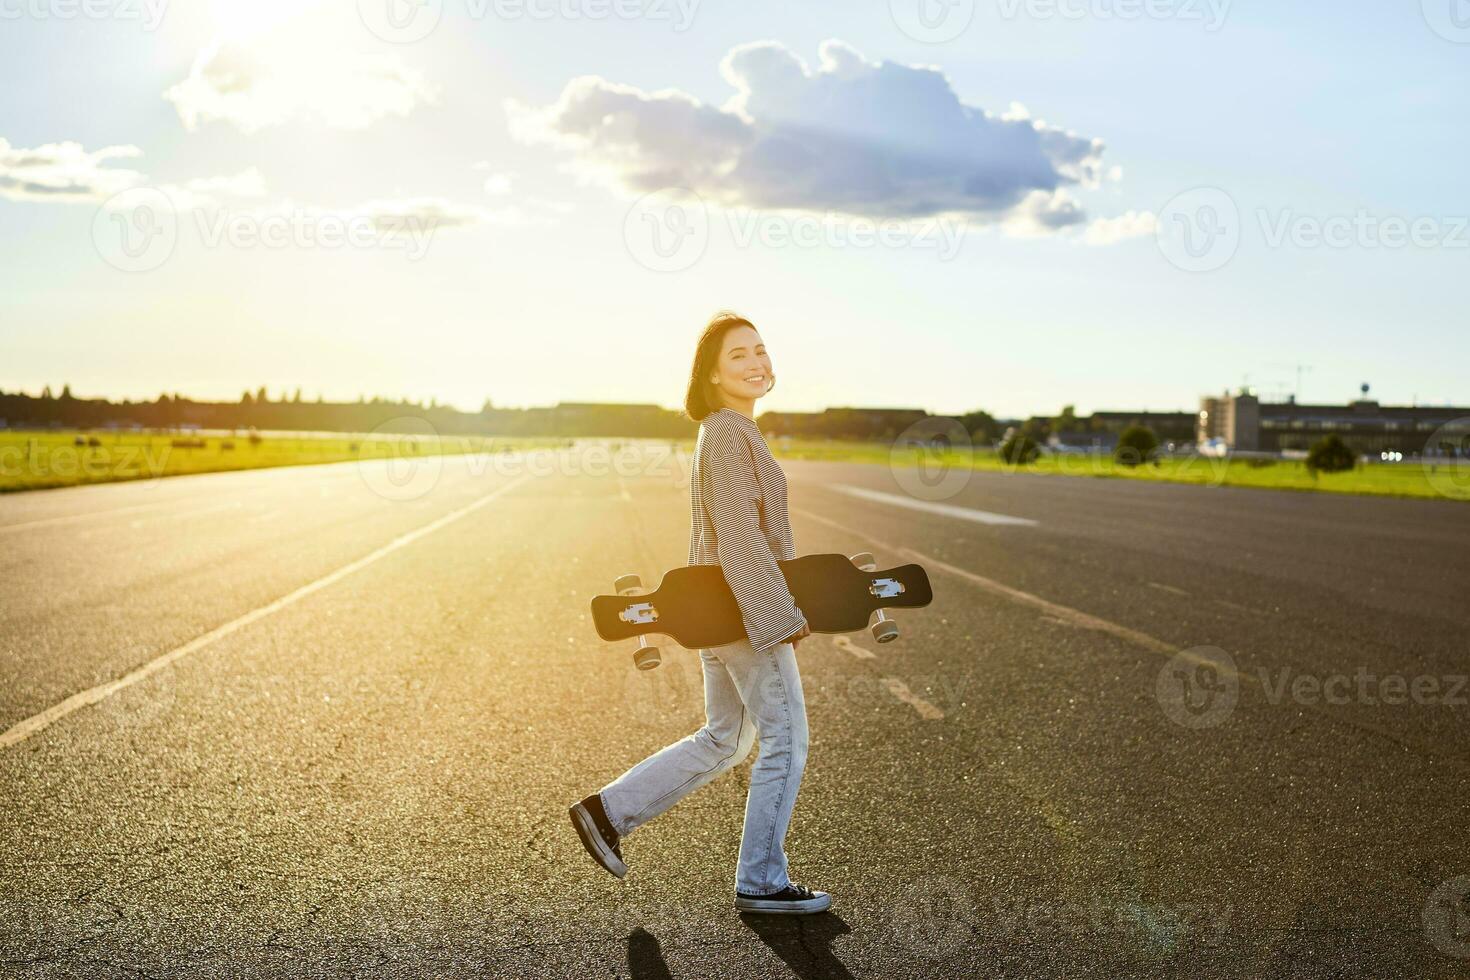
(326, 721)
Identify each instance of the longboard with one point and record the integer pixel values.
(694, 606)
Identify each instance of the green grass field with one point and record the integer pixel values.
(1439, 480)
(63, 458)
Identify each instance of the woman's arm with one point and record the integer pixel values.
(730, 493)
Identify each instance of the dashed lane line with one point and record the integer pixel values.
(847, 646)
(1076, 617)
(893, 685)
(947, 510)
(1167, 588)
(901, 691)
(1237, 607)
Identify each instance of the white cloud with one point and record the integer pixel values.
(386, 214)
(1043, 213)
(211, 193)
(528, 211)
(246, 183)
(852, 136)
(397, 214)
(1016, 113)
(68, 173)
(253, 86)
(1130, 224)
(64, 172)
(646, 141)
(437, 212)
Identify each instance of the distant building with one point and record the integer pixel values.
(842, 423)
(1176, 426)
(1243, 422)
(1099, 431)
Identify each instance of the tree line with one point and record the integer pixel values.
(294, 413)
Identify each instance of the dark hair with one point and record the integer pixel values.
(703, 398)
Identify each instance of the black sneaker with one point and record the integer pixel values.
(598, 836)
(792, 900)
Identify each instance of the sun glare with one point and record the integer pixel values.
(243, 20)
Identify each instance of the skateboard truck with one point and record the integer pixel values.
(639, 612)
(646, 657)
(884, 630)
(884, 588)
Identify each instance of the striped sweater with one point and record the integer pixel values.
(738, 520)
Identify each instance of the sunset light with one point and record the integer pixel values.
(703, 489)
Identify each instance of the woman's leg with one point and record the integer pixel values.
(666, 777)
(770, 686)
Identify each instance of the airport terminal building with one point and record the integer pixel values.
(1243, 422)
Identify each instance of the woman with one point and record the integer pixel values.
(751, 687)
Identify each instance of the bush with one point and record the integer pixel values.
(1331, 455)
(1018, 449)
(1137, 445)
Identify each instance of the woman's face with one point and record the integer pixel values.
(744, 368)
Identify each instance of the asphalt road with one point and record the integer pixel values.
(326, 722)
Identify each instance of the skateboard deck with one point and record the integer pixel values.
(695, 608)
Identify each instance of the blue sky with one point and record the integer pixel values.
(504, 247)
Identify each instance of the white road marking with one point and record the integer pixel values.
(901, 691)
(1238, 607)
(1166, 588)
(1084, 620)
(847, 646)
(70, 518)
(177, 515)
(1073, 617)
(948, 510)
(30, 726)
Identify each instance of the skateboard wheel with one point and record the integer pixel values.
(864, 560)
(625, 583)
(885, 631)
(646, 658)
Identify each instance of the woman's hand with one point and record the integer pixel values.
(797, 637)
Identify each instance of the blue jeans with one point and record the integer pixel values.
(745, 694)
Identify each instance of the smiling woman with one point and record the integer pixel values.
(738, 521)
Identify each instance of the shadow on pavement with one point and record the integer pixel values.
(804, 942)
(645, 958)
